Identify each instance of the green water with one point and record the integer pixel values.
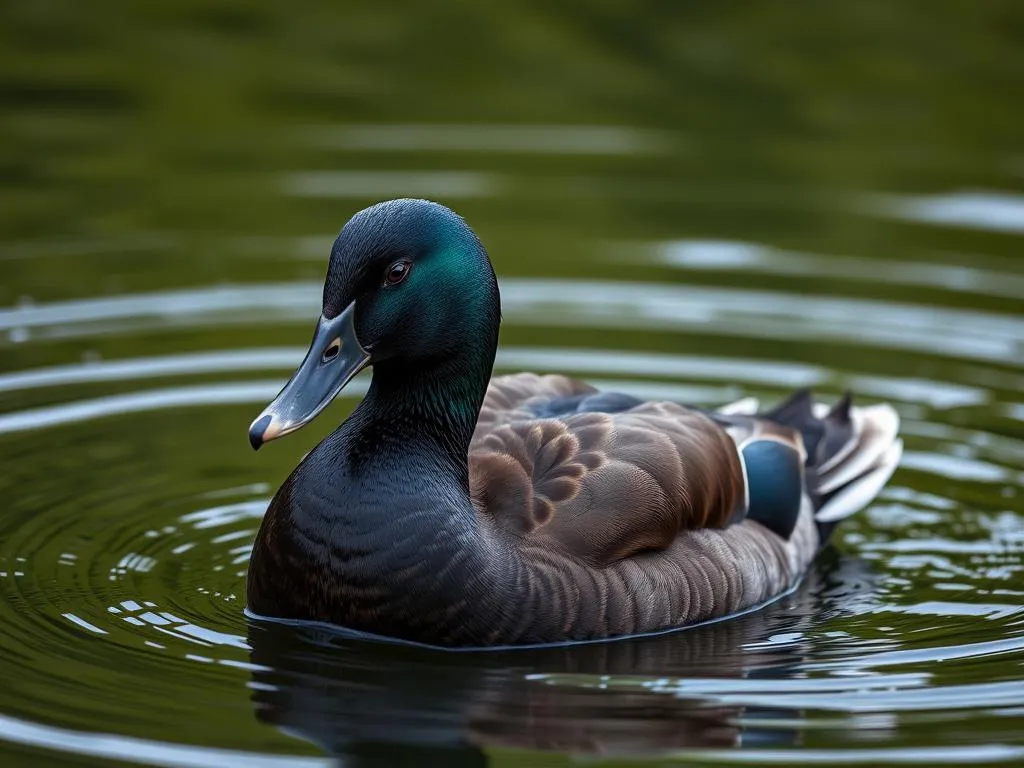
(695, 203)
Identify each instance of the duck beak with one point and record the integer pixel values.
(334, 358)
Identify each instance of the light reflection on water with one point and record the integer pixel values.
(756, 682)
(697, 218)
(590, 303)
(774, 674)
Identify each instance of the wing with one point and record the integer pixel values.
(600, 476)
(523, 396)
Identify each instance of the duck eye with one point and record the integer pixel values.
(397, 272)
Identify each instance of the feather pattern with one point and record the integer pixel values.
(641, 518)
(600, 486)
(455, 509)
(591, 524)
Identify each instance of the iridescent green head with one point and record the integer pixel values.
(419, 278)
(409, 290)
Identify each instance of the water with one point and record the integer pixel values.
(696, 204)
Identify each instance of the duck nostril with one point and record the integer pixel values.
(332, 351)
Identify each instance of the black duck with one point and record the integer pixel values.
(455, 509)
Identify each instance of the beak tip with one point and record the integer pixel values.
(258, 430)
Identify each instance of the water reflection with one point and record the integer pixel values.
(694, 203)
(755, 258)
(513, 139)
(384, 704)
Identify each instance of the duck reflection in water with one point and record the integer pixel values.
(388, 704)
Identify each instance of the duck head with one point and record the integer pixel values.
(409, 289)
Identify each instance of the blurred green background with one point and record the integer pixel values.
(710, 200)
(178, 122)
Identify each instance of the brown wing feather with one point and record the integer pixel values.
(600, 487)
(508, 398)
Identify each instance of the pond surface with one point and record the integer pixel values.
(693, 204)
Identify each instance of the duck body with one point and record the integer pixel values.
(458, 510)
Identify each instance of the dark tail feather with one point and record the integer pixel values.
(797, 411)
(851, 452)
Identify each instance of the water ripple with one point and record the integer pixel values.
(128, 564)
(517, 139)
(941, 331)
(142, 751)
(755, 258)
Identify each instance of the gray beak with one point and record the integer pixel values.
(335, 356)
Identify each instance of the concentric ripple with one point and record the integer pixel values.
(131, 502)
(699, 203)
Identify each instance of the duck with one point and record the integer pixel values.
(453, 509)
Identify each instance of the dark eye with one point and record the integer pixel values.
(397, 272)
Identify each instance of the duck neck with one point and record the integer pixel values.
(407, 512)
(376, 530)
(417, 412)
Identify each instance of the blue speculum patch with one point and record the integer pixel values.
(776, 484)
